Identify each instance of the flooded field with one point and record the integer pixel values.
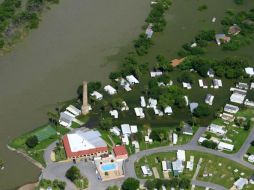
(72, 43)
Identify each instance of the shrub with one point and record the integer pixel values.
(32, 141)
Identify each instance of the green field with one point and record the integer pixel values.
(223, 174)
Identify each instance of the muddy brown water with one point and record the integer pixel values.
(72, 43)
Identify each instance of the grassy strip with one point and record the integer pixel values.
(37, 152)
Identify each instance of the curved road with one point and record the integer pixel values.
(57, 170)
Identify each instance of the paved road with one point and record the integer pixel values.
(57, 170)
(246, 145)
(207, 184)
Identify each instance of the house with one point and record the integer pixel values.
(243, 86)
(116, 131)
(234, 30)
(217, 83)
(168, 110)
(222, 38)
(125, 84)
(181, 155)
(134, 129)
(114, 113)
(132, 80)
(225, 146)
(75, 111)
(146, 171)
(139, 112)
(65, 119)
(120, 152)
(227, 117)
(148, 140)
(142, 101)
(166, 165)
(136, 145)
(97, 95)
(149, 31)
(193, 106)
(210, 73)
(84, 144)
(251, 158)
(186, 100)
(190, 164)
(155, 73)
(240, 183)
(174, 138)
(124, 106)
(252, 85)
(187, 129)
(152, 103)
(231, 108)
(157, 111)
(202, 83)
(202, 139)
(217, 129)
(237, 98)
(110, 90)
(209, 99)
(177, 167)
(186, 85)
(251, 179)
(126, 130)
(125, 139)
(249, 103)
(249, 71)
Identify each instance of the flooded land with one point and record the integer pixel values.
(71, 44)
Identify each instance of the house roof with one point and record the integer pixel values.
(120, 150)
(83, 143)
(187, 128)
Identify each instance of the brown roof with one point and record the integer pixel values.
(120, 150)
(176, 62)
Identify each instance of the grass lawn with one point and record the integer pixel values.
(60, 154)
(237, 134)
(223, 175)
(38, 151)
(75, 125)
(81, 183)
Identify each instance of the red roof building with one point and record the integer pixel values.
(120, 152)
(92, 152)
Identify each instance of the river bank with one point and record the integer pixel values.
(48, 65)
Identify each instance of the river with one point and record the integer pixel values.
(72, 43)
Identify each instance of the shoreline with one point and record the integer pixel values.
(27, 157)
(29, 186)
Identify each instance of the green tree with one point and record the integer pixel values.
(149, 184)
(73, 173)
(202, 111)
(32, 141)
(117, 103)
(113, 188)
(106, 123)
(209, 144)
(130, 184)
(184, 183)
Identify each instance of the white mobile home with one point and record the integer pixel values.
(97, 95)
(110, 90)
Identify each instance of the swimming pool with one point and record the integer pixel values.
(108, 167)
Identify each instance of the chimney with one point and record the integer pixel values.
(85, 106)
